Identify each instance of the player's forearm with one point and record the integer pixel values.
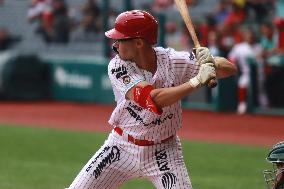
(163, 97)
(224, 68)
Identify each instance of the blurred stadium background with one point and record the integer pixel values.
(55, 51)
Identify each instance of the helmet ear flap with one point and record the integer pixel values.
(276, 154)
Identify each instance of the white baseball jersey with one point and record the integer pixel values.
(173, 69)
(119, 160)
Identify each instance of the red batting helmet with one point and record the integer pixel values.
(135, 24)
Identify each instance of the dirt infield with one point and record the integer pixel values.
(197, 125)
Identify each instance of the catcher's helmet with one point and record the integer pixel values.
(135, 24)
(275, 156)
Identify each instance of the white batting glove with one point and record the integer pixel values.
(203, 56)
(205, 74)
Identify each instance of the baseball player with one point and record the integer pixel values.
(239, 55)
(148, 84)
(275, 178)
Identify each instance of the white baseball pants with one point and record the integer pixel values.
(118, 161)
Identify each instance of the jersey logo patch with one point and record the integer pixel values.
(162, 160)
(159, 120)
(135, 110)
(97, 157)
(126, 79)
(119, 72)
(108, 156)
(191, 56)
(169, 180)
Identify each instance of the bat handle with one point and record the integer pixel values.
(212, 83)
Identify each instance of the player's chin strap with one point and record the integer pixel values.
(143, 98)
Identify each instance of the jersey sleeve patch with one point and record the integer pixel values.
(143, 98)
(123, 75)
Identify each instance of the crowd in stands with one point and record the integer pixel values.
(7, 40)
(242, 31)
(58, 23)
(237, 29)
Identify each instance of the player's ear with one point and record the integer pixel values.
(139, 42)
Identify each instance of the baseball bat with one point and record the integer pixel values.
(184, 12)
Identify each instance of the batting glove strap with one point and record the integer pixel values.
(206, 73)
(194, 82)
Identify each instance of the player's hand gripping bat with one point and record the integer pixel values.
(183, 9)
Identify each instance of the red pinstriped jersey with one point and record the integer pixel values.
(173, 69)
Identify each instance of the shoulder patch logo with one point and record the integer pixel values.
(119, 72)
(126, 79)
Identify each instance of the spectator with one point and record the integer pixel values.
(160, 5)
(230, 35)
(52, 16)
(91, 7)
(7, 40)
(272, 44)
(268, 41)
(268, 38)
(258, 11)
(279, 23)
(272, 41)
(236, 16)
(164, 5)
(222, 12)
(41, 12)
(62, 23)
(213, 43)
(87, 30)
(204, 29)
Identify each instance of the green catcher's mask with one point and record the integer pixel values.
(275, 178)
